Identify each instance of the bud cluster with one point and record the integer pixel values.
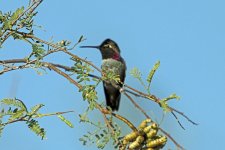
(145, 138)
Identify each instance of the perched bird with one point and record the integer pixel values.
(111, 61)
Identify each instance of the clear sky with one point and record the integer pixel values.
(186, 36)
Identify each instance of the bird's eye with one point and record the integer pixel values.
(108, 46)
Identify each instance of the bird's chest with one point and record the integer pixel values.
(112, 65)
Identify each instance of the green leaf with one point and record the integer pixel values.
(16, 36)
(8, 112)
(16, 14)
(84, 117)
(65, 121)
(14, 102)
(9, 23)
(35, 109)
(37, 50)
(135, 72)
(17, 114)
(152, 72)
(35, 127)
(172, 96)
(165, 107)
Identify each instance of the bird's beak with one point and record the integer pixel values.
(90, 47)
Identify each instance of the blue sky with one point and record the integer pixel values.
(186, 36)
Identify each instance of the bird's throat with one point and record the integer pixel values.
(116, 56)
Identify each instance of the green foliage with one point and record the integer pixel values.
(10, 19)
(16, 14)
(12, 22)
(35, 127)
(17, 19)
(82, 71)
(28, 22)
(101, 136)
(17, 36)
(101, 139)
(172, 96)
(35, 109)
(151, 74)
(135, 72)
(67, 122)
(38, 51)
(17, 112)
(14, 102)
(163, 102)
(89, 93)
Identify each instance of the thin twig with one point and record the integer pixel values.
(182, 114)
(106, 111)
(171, 138)
(13, 61)
(63, 74)
(76, 57)
(136, 105)
(157, 100)
(177, 120)
(53, 114)
(26, 35)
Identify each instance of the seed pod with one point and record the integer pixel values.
(144, 123)
(150, 149)
(123, 147)
(125, 141)
(157, 142)
(151, 133)
(154, 125)
(130, 137)
(148, 128)
(137, 143)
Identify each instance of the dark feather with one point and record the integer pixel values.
(113, 94)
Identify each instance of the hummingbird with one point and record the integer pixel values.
(111, 61)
